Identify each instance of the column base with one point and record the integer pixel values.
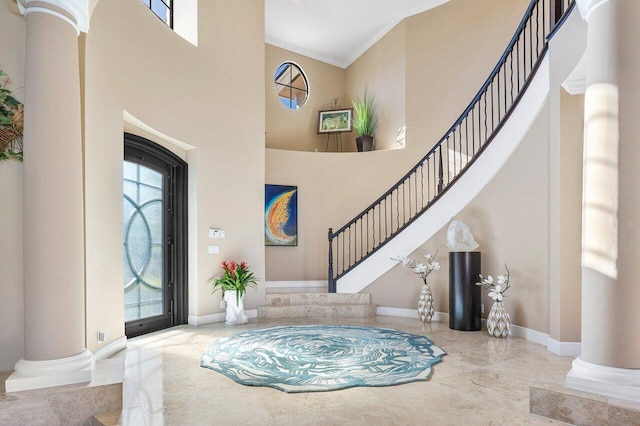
(49, 373)
(620, 383)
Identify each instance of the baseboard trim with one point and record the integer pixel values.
(573, 349)
(553, 346)
(614, 382)
(52, 372)
(529, 334)
(111, 348)
(213, 318)
(410, 313)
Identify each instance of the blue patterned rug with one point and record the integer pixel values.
(315, 358)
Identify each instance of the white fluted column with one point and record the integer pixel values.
(54, 302)
(610, 359)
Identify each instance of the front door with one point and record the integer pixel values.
(154, 231)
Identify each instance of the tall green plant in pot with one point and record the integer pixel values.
(364, 120)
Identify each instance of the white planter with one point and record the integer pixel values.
(235, 309)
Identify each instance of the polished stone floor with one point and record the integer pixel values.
(481, 381)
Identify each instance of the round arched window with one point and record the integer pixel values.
(292, 86)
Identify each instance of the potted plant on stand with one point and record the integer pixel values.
(364, 121)
(233, 283)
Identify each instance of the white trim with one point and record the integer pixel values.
(459, 195)
(572, 349)
(111, 348)
(553, 346)
(30, 9)
(587, 7)
(213, 318)
(410, 313)
(529, 334)
(55, 372)
(575, 87)
(295, 284)
(79, 9)
(614, 382)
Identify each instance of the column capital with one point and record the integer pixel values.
(75, 12)
(586, 7)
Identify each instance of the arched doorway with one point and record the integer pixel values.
(155, 237)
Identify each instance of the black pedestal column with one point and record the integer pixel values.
(464, 294)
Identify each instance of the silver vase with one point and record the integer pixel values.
(498, 320)
(425, 304)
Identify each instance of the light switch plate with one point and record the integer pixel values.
(214, 249)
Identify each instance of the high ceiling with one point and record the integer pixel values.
(335, 31)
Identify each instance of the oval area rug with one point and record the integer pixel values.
(315, 358)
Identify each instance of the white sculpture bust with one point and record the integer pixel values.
(459, 237)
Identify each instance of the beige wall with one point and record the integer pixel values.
(12, 41)
(509, 219)
(297, 130)
(211, 98)
(445, 66)
(570, 187)
(450, 52)
(382, 70)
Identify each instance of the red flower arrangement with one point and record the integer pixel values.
(235, 277)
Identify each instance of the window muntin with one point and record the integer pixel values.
(163, 9)
(291, 85)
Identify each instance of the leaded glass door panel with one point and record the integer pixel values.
(154, 235)
(143, 243)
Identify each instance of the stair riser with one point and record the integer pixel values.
(317, 299)
(348, 311)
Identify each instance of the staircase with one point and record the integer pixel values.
(317, 305)
(459, 165)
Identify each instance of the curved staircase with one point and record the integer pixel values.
(459, 165)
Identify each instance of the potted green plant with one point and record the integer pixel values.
(364, 120)
(233, 283)
(11, 122)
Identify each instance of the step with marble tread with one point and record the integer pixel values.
(317, 305)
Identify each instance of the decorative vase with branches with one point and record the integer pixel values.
(423, 270)
(498, 320)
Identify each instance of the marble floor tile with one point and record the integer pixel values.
(481, 381)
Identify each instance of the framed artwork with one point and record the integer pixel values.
(335, 121)
(280, 215)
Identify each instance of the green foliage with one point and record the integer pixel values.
(8, 154)
(10, 109)
(364, 121)
(8, 105)
(235, 277)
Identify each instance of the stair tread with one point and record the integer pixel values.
(317, 311)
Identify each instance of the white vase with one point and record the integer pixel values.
(425, 304)
(235, 309)
(498, 320)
